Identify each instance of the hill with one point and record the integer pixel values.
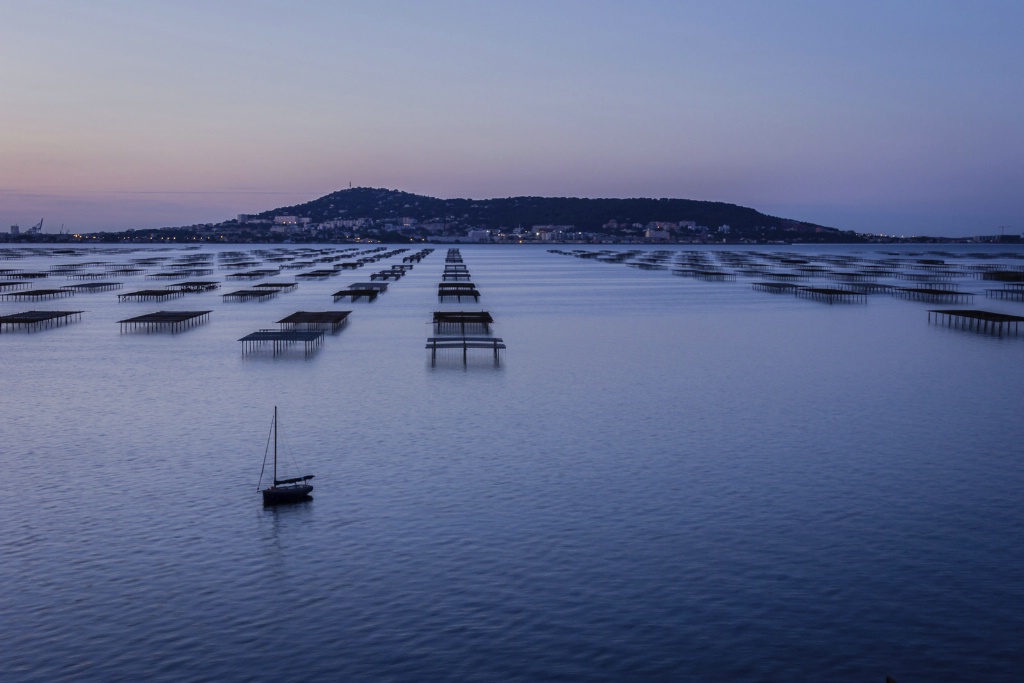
(586, 215)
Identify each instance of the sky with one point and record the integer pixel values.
(901, 117)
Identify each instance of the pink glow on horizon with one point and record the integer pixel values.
(873, 117)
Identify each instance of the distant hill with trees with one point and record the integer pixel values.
(589, 215)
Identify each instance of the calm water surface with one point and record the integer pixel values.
(665, 479)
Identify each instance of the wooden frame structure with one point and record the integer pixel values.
(394, 273)
(31, 321)
(180, 274)
(279, 286)
(89, 275)
(320, 274)
(152, 294)
(985, 322)
(315, 320)
(356, 293)
(170, 321)
(358, 290)
(281, 340)
(94, 286)
(830, 295)
(494, 344)
(249, 295)
(460, 322)
(195, 286)
(932, 295)
(38, 294)
(775, 287)
(257, 274)
(1010, 293)
(418, 256)
(705, 274)
(31, 275)
(458, 290)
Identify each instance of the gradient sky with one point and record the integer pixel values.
(886, 117)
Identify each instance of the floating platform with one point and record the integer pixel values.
(31, 321)
(280, 341)
(494, 344)
(315, 320)
(169, 321)
(977, 321)
(460, 322)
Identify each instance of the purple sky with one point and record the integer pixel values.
(886, 117)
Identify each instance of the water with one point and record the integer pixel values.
(664, 479)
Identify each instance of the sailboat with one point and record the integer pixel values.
(281, 491)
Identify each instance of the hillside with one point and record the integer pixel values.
(590, 215)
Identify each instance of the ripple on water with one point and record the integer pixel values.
(665, 480)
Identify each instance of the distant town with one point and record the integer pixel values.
(370, 215)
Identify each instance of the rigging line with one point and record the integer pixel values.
(265, 451)
(289, 453)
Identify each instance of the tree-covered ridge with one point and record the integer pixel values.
(585, 214)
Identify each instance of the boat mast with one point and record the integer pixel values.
(275, 445)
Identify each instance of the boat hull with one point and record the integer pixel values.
(280, 495)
